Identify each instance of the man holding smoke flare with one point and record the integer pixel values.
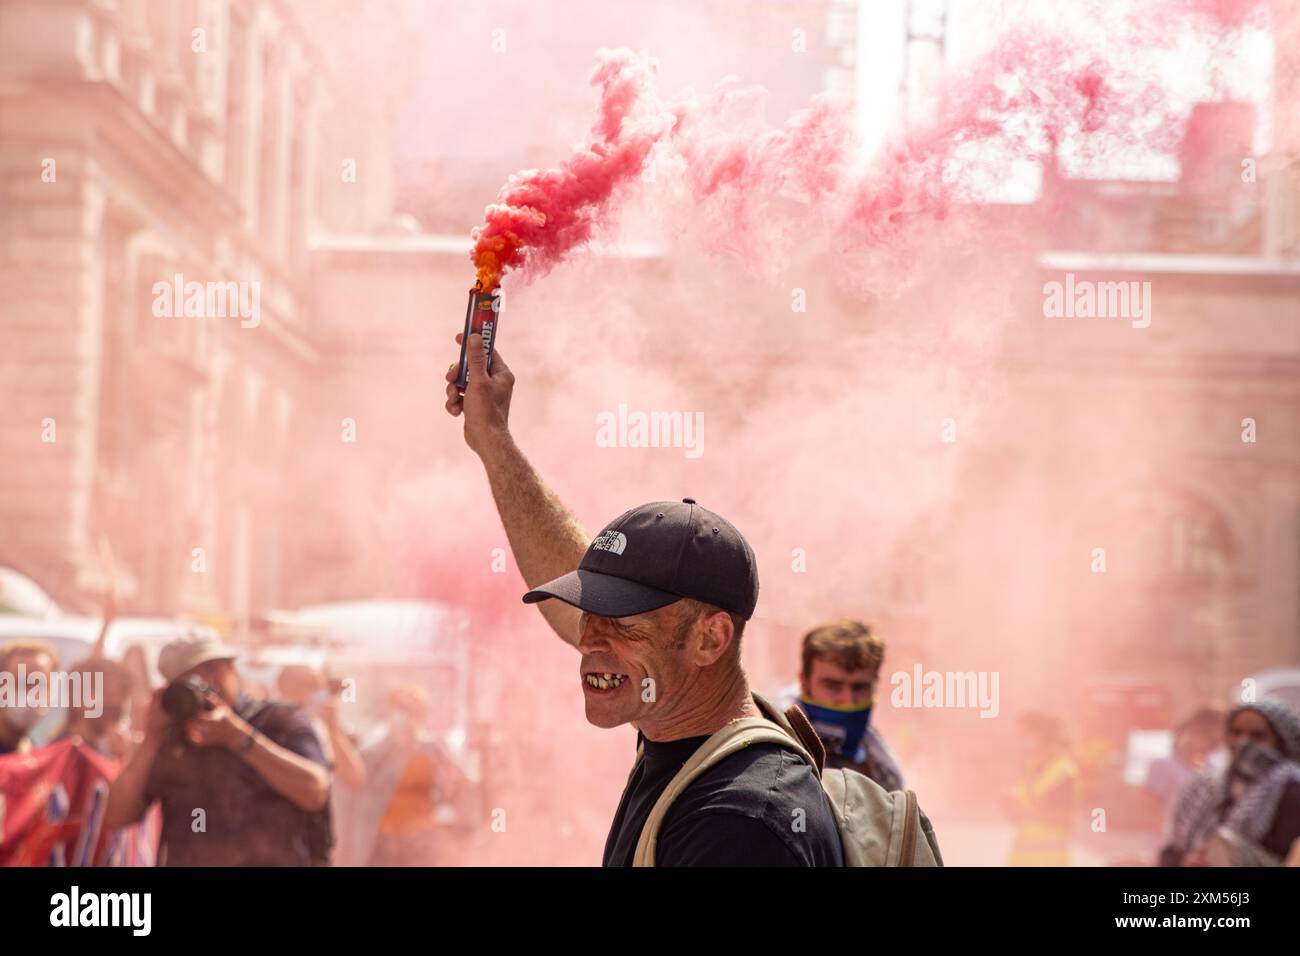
(656, 607)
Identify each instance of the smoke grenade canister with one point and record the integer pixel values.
(481, 316)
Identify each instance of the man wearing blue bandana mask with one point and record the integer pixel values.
(837, 686)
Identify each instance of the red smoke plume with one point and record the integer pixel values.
(542, 214)
(760, 188)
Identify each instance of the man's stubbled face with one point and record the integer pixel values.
(634, 668)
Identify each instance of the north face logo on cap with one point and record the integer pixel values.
(609, 541)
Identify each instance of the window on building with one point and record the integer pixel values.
(295, 228)
(115, 415)
(269, 189)
(236, 92)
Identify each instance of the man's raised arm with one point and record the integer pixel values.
(546, 539)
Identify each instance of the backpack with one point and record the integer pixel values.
(876, 827)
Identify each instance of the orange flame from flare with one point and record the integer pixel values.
(488, 256)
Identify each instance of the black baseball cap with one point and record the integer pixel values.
(657, 554)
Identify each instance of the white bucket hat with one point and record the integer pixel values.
(190, 651)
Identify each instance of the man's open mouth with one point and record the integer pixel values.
(605, 681)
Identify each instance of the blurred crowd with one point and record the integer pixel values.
(211, 766)
(212, 762)
(1226, 794)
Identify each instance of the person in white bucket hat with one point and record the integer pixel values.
(256, 768)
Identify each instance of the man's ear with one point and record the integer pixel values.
(714, 635)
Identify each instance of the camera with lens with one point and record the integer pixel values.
(185, 697)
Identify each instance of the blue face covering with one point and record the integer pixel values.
(840, 728)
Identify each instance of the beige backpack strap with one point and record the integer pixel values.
(911, 824)
(735, 736)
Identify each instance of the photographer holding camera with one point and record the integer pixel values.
(241, 782)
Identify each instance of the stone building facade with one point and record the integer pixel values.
(144, 146)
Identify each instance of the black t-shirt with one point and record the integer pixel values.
(761, 806)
